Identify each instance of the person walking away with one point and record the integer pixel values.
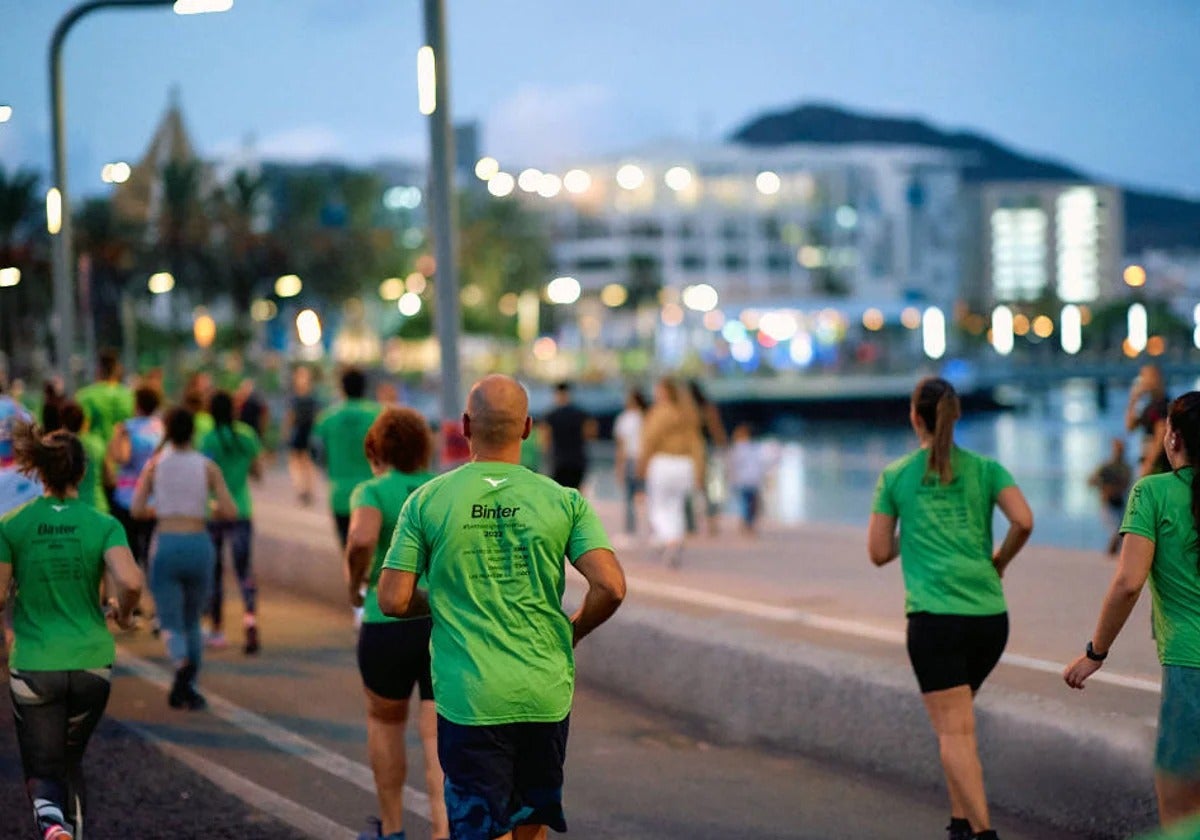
(393, 653)
(301, 417)
(1161, 529)
(671, 459)
(133, 444)
(16, 488)
(234, 447)
(96, 475)
(342, 428)
(627, 434)
(181, 480)
(747, 473)
(107, 401)
(58, 550)
(710, 481)
(252, 409)
(566, 432)
(490, 539)
(1147, 411)
(196, 394)
(1112, 479)
(942, 498)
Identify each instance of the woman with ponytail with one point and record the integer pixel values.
(233, 446)
(1162, 530)
(944, 496)
(58, 549)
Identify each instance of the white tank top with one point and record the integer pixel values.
(181, 484)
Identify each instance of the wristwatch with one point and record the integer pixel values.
(1091, 654)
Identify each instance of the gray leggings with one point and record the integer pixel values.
(181, 577)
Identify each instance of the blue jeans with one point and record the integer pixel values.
(240, 534)
(180, 577)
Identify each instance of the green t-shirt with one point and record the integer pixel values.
(105, 404)
(386, 493)
(91, 486)
(56, 550)
(1159, 509)
(233, 451)
(342, 429)
(946, 532)
(202, 424)
(490, 539)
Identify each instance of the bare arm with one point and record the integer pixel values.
(591, 429)
(5, 580)
(606, 591)
(365, 524)
(1153, 448)
(882, 545)
(226, 508)
(118, 447)
(127, 582)
(398, 595)
(1137, 555)
(141, 493)
(1015, 508)
(716, 429)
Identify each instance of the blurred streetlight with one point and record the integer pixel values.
(426, 81)
(409, 304)
(289, 285)
(501, 184)
(1071, 335)
(263, 310)
(161, 283)
(1002, 330)
(933, 332)
(700, 298)
(563, 290)
(391, 288)
(54, 211)
(768, 183)
(577, 181)
(204, 328)
(486, 168)
(530, 179)
(61, 268)
(115, 173)
(1135, 276)
(1138, 323)
(549, 185)
(5, 113)
(630, 176)
(614, 295)
(9, 277)
(308, 328)
(678, 178)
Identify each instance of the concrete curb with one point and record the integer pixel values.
(1042, 759)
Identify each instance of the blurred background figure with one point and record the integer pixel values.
(52, 399)
(196, 394)
(133, 444)
(301, 416)
(1147, 411)
(96, 472)
(627, 434)
(566, 431)
(386, 394)
(711, 480)
(1112, 479)
(107, 401)
(251, 408)
(747, 471)
(670, 461)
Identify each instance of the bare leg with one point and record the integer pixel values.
(434, 780)
(389, 761)
(530, 832)
(1177, 798)
(952, 713)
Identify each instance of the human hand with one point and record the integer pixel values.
(357, 595)
(1078, 671)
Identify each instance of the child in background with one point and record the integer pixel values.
(747, 472)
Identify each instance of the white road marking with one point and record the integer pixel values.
(850, 627)
(282, 739)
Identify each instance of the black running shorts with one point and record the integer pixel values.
(947, 651)
(393, 656)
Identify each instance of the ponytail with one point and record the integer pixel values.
(56, 459)
(1184, 418)
(936, 404)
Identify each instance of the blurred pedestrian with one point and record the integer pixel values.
(251, 408)
(16, 488)
(942, 497)
(107, 401)
(747, 473)
(52, 400)
(393, 653)
(1147, 411)
(1161, 529)
(299, 423)
(96, 473)
(134, 442)
(197, 391)
(342, 428)
(60, 664)
(455, 449)
(235, 448)
(386, 394)
(490, 539)
(627, 434)
(710, 481)
(566, 430)
(670, 462)
(1112, 479)
(180, 481)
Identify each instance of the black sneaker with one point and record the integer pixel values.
(182, 694)
(959, 829)
(251, 646)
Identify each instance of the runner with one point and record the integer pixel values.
(1161, 525)
(133, 444)
(234, 447)
(181, 481)
(196, 394)
(943, 498)
(490, 538)
(106, 402)
(95, 476)
(566, 431)
(393, 654)
(301, 416)
(342, 428)
(57, 550)
(16, 488)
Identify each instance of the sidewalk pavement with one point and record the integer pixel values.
(793, 639)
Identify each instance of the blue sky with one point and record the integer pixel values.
(1110, 85)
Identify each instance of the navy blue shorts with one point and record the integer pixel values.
(393, 657)
(502, 776)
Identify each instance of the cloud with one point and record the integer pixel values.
(542, 125)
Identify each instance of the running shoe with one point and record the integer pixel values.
(57, 832)
(374, 830)
(251, 646)
(959, 830)
(216, 640)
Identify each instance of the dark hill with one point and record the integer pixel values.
(1152, 220)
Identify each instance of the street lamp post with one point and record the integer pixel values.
(61, 270)
(443, 215)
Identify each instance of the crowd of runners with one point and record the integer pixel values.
(457, 579)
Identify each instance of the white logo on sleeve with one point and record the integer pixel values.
(495, 482)
(58, 508)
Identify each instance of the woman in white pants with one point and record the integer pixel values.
(671, 462)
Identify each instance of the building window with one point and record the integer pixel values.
(1019, 247)
(646, 229)
(585, 264)
(691, 262)
(734, 262)
(1078, 238)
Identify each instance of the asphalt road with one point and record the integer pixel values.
(285, 743)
